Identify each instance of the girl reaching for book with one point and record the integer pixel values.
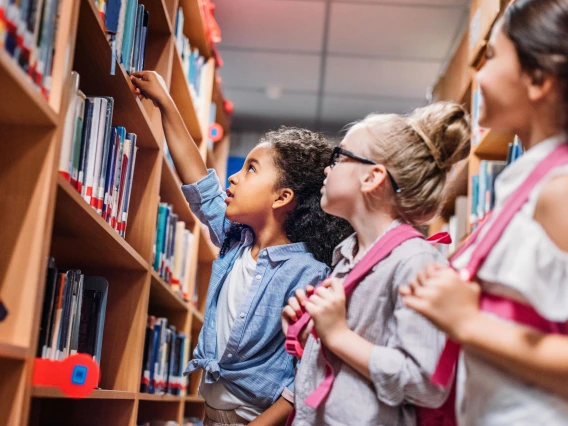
(274, 238)
(508, 305)
(388, 173)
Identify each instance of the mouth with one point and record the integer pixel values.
(230, 196)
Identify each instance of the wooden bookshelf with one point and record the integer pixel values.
(47, 217)
(458, 84)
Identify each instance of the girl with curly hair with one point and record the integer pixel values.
(274, 239)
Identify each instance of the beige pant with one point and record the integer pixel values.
(215, 417)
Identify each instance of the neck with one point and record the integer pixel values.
(370, 225)
(268, 234)
(542, 127)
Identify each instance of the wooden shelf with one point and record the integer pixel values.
(194, 398)
(159, 21)
(162, 294)
(493, 145)
(153, 397)
(93, 63)
(53, 392)
(181, 95)
(170, 192)
(84, 238)
(31, 106)
(13, 351)
(193, 26)
(198, 316)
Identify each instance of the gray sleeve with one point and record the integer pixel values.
(401, 370)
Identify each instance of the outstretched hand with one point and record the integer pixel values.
(150, 85)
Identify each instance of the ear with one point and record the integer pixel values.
(284, 198)
(373, 178)
(539, 85)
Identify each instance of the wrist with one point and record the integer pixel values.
(166, 103)
(336, 338)
(466, 329)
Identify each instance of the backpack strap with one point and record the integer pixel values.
(382, 249)
(505, 308)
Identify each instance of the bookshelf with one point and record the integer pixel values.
(47, 216)
(459, 84)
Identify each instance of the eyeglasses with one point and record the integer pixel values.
(337, 151)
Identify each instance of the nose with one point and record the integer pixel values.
(233, 179)
(326, 170)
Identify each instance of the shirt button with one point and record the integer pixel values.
(230, 355)
(263, 253)
(258, 277)
(242, 315)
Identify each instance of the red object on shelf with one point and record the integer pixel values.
(77, 375)
(228, 106)
(216, 132)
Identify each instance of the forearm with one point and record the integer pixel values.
(276, 415)
(184, 151)
(541, 359)
(353, 350)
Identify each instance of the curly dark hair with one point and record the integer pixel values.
(301, 157)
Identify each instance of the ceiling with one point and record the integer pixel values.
(324, 63)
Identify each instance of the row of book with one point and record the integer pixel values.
(166, 353)
(193, 62)
(73, 314)
(96, 157)
(483, 184)
(126, 23)
(27, 32)
(173, 250)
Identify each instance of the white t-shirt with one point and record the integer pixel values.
(234, 290)
(527, 266)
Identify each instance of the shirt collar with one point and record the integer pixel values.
(285, 252)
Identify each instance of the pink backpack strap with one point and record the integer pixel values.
(378, 252)
(505, 308)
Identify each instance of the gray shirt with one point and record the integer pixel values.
(406, 350)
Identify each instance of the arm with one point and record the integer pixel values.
(452, 305)
(275, 415)
(400, 369)
(184, 151)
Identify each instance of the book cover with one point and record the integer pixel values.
(137, 38)
(128, 36)
(104, 164)
(65, 161)
(89, 166)
(93, 189)
(77, 137)
(49, 302)
(85, 138)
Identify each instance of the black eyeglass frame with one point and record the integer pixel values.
(337, 151)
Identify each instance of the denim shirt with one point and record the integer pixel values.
(254, 367)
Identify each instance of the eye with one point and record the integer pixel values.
(489, 53)
(251, 167)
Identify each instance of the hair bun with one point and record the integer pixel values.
(445, 128)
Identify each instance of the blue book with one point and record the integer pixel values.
(155, 354)
(163, 213)
(474, 199)
(111, 15)
(128, 37)
(137, 37)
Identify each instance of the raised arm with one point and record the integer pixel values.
(184, 151)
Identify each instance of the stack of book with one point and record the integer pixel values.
(27, 33)
(126, 23)
(192, 61)
(73, 315)
(166, 353)
(97, 158)
(172, 250)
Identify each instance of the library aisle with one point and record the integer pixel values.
(101, 254)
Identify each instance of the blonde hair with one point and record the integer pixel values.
(419, 150)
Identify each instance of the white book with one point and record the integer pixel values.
(117, 196)
(65, 163)
(77, 137)
(187, 263)
(94, 189)
(178, 255)
(91, 155)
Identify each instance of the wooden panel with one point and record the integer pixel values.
(152, 410)
(53, 392)
(83, 239)
(159, 398)
(84, 412)
(93, 63)
(26, 171)
(12, 392)
(170, 192)
(193, 26)
(493, 145)
(163, 297)
(171, 8)
(195, 407)
(182, 97)
(159, 21)
(483, 15)
(31, 106)
(457, 77)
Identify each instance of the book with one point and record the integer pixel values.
(70, 123)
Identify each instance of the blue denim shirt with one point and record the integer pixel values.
(254, 367)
